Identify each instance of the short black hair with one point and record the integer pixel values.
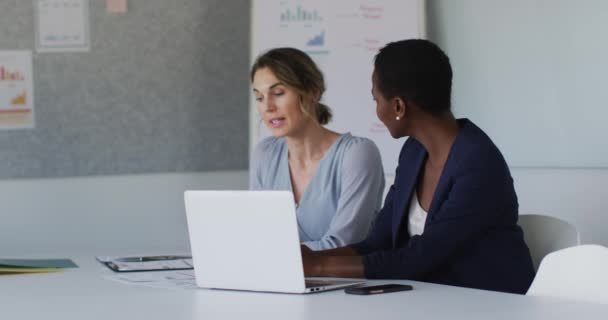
(417, 70)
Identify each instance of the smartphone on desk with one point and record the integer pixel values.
(383, 288)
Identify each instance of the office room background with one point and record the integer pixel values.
(160, 104)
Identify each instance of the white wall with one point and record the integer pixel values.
(101, 215)
(577, 195)
(532, 74)
(532, 58)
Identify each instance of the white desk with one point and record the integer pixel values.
(84, 294)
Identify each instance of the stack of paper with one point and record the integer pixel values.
(17, 266)
(183, 279)
(148, 263)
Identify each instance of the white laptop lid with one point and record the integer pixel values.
(245, 240)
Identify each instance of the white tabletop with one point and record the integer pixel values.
(84, 293)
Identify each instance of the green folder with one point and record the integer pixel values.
(37, 263)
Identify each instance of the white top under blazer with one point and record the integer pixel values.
(416, 217)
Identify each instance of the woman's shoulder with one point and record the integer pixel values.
(475, 149)
(268, 148)
(357, 145)
(474, 135)
(359, 149)
(269, 144)
(475, 141)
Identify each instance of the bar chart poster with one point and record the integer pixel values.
(62, 25)
(342, 37)
(16, 90)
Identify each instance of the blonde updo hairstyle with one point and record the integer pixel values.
(296, 70)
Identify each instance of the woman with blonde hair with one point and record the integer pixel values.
(337, 179)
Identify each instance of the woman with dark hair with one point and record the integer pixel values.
(337, 179)
(451, 215)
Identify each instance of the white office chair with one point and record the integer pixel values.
(577, 273)
(545, 234)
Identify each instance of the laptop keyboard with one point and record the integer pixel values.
(323, 283)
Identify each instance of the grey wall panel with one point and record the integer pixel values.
(531, 74)
(163, 89)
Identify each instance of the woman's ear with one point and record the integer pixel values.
(316, 96)
(307, 104)
(400, 107)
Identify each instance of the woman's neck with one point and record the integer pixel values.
(310, 145)
(437, 135)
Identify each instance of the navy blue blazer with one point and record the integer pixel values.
(471, 237)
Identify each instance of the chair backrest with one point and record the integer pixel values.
(577, 273)
(545, 234)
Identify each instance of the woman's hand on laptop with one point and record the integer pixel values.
(341, 262)
(311, 261)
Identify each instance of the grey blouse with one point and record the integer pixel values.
(343, 196)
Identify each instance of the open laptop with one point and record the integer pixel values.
(248, 240)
